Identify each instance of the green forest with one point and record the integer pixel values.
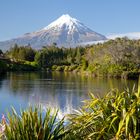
(114, 58)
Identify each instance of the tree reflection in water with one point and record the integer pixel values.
(58, 90)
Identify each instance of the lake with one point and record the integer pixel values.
(53, 89)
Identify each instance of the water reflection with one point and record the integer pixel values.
(58, 90)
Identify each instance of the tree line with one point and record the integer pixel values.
(119, 57)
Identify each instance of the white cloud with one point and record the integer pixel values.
(133, 35)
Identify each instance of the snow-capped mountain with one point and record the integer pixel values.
(133, 35)
(65, 31)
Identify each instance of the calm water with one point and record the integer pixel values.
(57, 90)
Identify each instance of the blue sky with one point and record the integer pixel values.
(104, 16)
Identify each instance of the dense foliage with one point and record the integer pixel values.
(18, 58)
(21, 53)
(3, 66)
(114, 58)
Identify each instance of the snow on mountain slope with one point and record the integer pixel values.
(71, 24)
(65, 31)
(64, 19)
(133, 35)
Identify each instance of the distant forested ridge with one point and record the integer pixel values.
(114, 58)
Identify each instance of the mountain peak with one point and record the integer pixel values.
(66, 16)
(65, 19)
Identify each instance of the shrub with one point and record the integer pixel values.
(115, 69)
(60, 68)
(54, 67)
(66, 68)
(72, 67)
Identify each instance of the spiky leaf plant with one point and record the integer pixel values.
(31, 125)
(115, 116)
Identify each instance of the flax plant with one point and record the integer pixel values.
(115, 116)
(32, 125)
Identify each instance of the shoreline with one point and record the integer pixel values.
(124, 75)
